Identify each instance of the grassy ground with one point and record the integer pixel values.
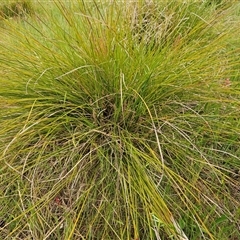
(120, 120)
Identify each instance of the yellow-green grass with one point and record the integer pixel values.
(120, 120)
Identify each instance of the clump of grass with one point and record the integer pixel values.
(120, 123)
(15, 9)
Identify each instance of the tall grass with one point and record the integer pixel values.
(15, 9)
(120, 120)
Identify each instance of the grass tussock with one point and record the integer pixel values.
(120, 120)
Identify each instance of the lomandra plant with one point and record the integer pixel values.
(120, 120)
